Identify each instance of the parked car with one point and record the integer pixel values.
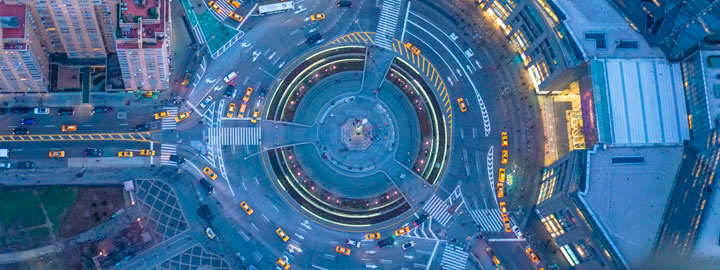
(101, 109)
(25, 165)
(19, 110)
(42, 110)
(5, 165)
(66, 111)
(204, 211)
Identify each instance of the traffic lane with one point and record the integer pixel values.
(84, 122)
(513, 256)
(39, 152)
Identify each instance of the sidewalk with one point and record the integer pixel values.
(75, 99)
(378, 61)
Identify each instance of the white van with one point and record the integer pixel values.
(4, 153)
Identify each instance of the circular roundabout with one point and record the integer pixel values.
(362, 147)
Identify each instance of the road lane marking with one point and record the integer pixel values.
(402, 36)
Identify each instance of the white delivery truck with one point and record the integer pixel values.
(4, 153)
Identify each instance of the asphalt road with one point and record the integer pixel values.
(470, 69)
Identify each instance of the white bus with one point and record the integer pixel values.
(276, 8)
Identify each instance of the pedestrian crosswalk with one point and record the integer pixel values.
(489, 220)
(387, 23)
(235, 136)
(454, 258)
(437, 209)
(225, 9)
(169, 122)
(166, 150)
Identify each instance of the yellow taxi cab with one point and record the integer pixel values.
(503, 209)
(68, 128)
(161, 115)
(282, 263)
(125, 154)
(234, 3)
(182, 116)
(500, 190)
(282, 234)
(210, 173)
(531, 254)
(461, 103)
(504, 158)
(147, 152)
(317, 17)
(57, 153)
(231, 110)
(412, 48)
(248, 92)
(504, 138)
(241, 111)
(342, 250)
(236, 16)
(506, 224)
(246, 207)
(371, 236)
(214, 6)
(254, 116)
(501, 175)
(402, 231)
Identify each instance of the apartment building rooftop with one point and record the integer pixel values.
(146, 9)
(12, 20)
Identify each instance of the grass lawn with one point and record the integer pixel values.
(57, 200)
(19, 209)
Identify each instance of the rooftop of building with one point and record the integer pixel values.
(146, 9)
(601, 32)
(628, 188)
(12, 20)
(710, 60)
(639, 101)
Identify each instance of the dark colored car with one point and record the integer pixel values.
(229, 91)
(344, 3)
(25, 165)
(420, 220)
(27, 122)
(3, 110)
(20, 110)
(101, 109)
(20, 131)
(93, 152)
(66, 111)
(313, 39)
(143, 127)
(206, 185)
(386, 242)
(204, 211)
(178, 159)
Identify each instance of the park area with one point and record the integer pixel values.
(35, 217)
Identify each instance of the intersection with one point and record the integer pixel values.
(356, 134)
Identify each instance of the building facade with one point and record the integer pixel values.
(24, 64)
(143, 44)
(69, 27)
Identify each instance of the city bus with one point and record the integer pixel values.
(276, 8)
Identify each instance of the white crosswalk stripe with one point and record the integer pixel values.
(235, 136)
(489, 220)
(454, 258)
(387, 23)
(169, 122)
(165, 151)
(437, 209)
